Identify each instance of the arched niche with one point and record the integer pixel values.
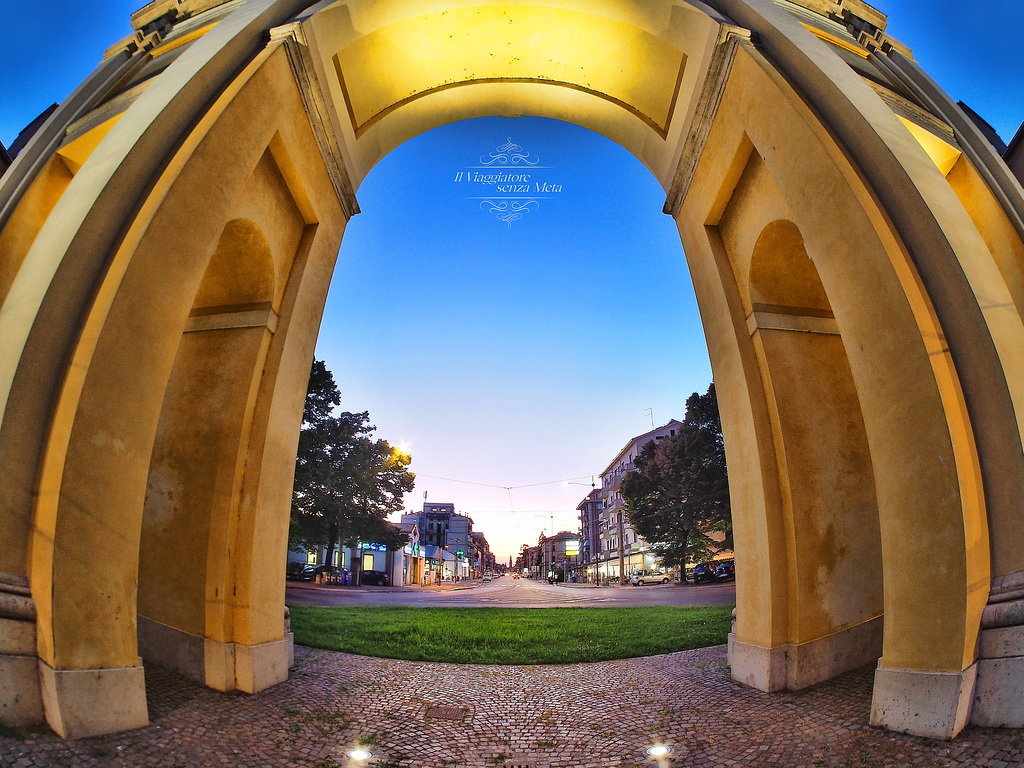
(826, 480)
(190, 516)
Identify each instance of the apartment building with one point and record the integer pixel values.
(619, 550)
(440, 526)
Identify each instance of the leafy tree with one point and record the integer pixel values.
(346, 483)
(678, 493)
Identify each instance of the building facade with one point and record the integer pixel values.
(590, 539)
(620, 551)
(442, 527)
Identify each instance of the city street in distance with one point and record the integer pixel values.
(507, 592)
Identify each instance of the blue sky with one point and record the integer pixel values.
(506, 357)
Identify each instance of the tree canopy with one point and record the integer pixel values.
(678, 493)
(346, 483)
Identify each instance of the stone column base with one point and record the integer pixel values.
(932, 704)
(799, 665)
(258, 667)
(221, 666)
(197, 658)
(92, 702)
(758, 666)
(21, 702)
(999, 694)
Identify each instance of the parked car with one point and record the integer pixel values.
(300, 571)
(640, 578)
(375, 578)
(487, 577)
(726, 569)
(705, 572)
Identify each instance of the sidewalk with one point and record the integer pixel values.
(423, 715)
(447, 586)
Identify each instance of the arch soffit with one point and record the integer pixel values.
(394, 70)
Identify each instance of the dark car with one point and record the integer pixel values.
(705, 572)
(726, 570)
(300, 571)
(375, 578)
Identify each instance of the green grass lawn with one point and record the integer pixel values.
(510, 635)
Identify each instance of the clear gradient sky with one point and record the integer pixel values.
(512, 358)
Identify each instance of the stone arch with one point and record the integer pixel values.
(776, 157)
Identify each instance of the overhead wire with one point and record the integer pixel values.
(506, 487)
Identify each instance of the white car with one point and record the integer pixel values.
(640, 578)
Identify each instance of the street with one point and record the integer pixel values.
(507, 592)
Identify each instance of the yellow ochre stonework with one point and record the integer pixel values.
(857, 252)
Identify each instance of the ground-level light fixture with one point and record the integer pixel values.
(658, 750)
(359, 754)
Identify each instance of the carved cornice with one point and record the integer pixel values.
(16, 598)
(1008, 587)
(1005, 602)
(729, 39)
(294, 41)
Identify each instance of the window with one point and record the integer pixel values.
(367, 562)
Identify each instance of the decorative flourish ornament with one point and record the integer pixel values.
(508, 210)
(509, 153)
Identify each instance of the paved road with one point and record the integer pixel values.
(513, 593)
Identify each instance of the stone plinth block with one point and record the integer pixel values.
(999, 696)
(757, 666)
(20, 700)
(92, 702)
(932, 704)
(260, 666)
(793, 666)
(822, 659)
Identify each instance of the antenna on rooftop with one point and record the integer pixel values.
(651, 412)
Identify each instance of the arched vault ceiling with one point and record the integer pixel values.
(395, 64)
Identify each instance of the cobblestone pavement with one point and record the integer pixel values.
(584, 716)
